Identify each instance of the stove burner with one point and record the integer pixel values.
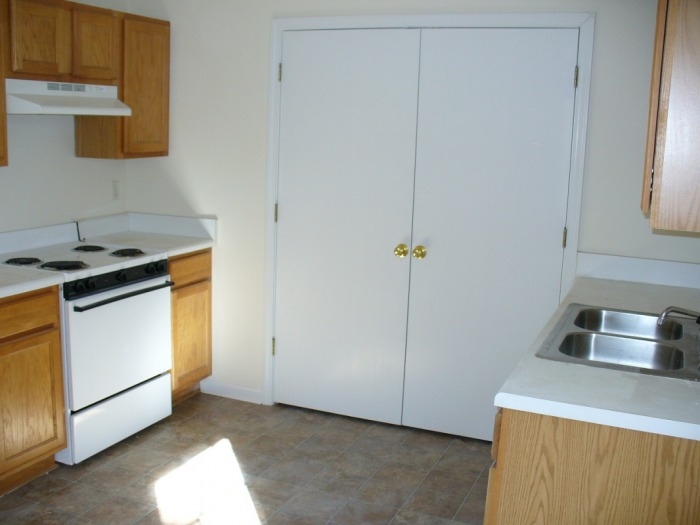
(63, 265)
(89, 248)
(22, 261)
(127, 252)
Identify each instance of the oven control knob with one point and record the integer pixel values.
(121, 276)
(79, 287)
(157, 267)
(91, 284)
(161, 266)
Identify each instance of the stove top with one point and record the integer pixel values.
(77, 260)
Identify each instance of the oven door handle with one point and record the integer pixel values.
(97, 304)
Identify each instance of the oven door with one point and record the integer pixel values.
(116, 340)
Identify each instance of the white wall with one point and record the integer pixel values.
(217, 165)
(45, 183)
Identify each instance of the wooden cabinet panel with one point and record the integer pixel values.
(191, 269)
(31, 397)
(56, 40)
(552, 470)
(191, 334)
(671, 192)
(96, 44)
(146, 86)
(34, 312)
(40, 37)
(32, 404)
(191, 322)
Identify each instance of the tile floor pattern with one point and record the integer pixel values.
(220, 461)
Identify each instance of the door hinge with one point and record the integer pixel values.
(274, 344)
(575, 77)
(279, 72)
(276, 211)
(563, 237)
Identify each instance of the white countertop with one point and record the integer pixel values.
(14, 280)
(170, 244)
(606, 396)
(169, 234)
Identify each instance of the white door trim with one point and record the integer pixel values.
(585, 22)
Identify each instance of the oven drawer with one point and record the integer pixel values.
(109, 422)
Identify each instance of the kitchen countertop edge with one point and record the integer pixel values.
(13, 283)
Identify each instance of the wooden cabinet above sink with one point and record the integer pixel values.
(671, 190)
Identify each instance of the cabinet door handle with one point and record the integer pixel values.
(419, 252)
(401, 250)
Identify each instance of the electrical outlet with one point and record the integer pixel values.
(115, 190)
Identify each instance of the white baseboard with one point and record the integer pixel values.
(651, 271)
(249, 395)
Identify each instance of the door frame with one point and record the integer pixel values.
(584, 22)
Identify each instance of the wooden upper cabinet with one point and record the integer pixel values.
(146, 86)
(40, 33)
(671, 191)
(57, 40)
(96, 43)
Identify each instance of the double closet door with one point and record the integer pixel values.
(422, 192)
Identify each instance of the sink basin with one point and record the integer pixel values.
(627, 323)
(624, 351)
(624, 340)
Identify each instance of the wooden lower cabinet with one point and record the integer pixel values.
(191, 318)
(31, 387)
(551, 470)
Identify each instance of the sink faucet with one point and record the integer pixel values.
(678, 310)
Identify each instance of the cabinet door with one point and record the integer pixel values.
(347, 138)
(492, 175)
(40, 37)
(191, 314)
(553, 470)
(146, 86)
(96, 42)
(31, 399)
(675, 197)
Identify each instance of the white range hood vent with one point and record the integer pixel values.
(35, 97)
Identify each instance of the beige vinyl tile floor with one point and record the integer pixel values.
(220, 461)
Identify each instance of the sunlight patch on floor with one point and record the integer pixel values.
(208, 489)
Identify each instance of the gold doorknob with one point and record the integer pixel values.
(419, 252)
(401, 250)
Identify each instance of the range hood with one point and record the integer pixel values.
(34, 97)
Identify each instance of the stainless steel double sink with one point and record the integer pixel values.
(623, 340)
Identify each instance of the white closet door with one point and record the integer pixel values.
(492, 174)
(347, 150)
